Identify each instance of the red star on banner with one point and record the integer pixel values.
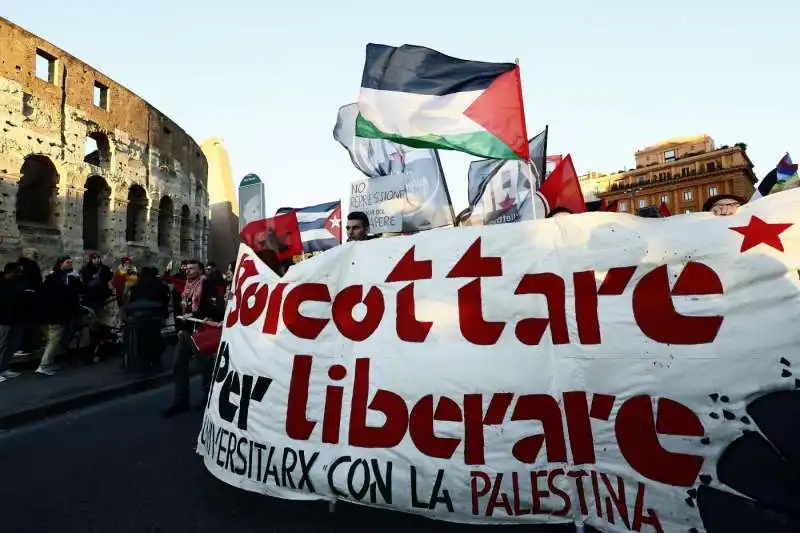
(759, 232)
(508, 203)
(334, 223)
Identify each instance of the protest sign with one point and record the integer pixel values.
(597, 368)
(382, 199)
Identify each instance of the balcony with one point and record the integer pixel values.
(673, 178)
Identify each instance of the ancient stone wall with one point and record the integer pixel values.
(86, 165)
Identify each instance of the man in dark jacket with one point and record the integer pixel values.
(144, 316)
(60, 305)
(198, 301)
(11, 295)
(96, 278)
(32, 279)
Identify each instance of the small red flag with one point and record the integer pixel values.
(562, 188)
(280, 233)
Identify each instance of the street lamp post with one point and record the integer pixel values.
(633, 192)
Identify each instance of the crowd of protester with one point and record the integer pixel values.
(84, 315)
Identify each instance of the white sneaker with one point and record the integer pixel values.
(2, 379)
(46, 371)
(9, 374)
(21, 353)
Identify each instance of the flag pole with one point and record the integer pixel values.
(446, 188)
(544, 167)
(531, 177)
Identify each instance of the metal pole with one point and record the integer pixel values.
(446, 189)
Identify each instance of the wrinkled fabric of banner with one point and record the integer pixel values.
(632, 374)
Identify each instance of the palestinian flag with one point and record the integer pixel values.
(418, 97)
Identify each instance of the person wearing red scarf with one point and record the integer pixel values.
(198, 300)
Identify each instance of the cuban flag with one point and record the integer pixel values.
(320, 226)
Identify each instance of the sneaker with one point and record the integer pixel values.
(21, 353)
(46, 371)
(9, 374)
(2, 379)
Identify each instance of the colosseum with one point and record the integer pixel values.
(88, 166)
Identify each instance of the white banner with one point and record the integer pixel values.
(631, 374)
(383, 200)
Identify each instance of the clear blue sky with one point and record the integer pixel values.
(608, 77)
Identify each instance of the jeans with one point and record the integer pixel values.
(184, 351)
(10, 339)
(56, 345)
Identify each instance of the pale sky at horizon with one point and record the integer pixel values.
(608, 77)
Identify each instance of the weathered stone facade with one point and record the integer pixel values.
(86, 165)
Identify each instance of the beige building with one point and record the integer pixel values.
(593, 183)
(223, 242)
(682, 173)
(86, 165)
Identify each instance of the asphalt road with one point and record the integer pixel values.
(120, 468)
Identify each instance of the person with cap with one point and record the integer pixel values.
(723, 205)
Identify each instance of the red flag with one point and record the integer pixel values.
(280, 233)
(551, 162)
(664, 210)
(562, 188)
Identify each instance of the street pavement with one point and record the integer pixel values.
(31, 397)
(118, 467)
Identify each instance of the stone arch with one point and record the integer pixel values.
(166, 214)
(97, 149)
(37, 191)
(136, 219)
(96, 195)
(186, 230)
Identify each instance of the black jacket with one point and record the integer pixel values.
(13, 308)
(96, 281)
(33, 274)
(60, 298)
(155, 291)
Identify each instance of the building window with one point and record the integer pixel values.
(711, 167)
(712, 191)
(97, 150)
(100, 95)
(622, 206)
(664, 198)
(685, 171)
(642, 203)
(688, 212)
(669, 155)
(45, 66)
(687, 196)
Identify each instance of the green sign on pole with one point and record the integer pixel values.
(251, 200)
(250, 179)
